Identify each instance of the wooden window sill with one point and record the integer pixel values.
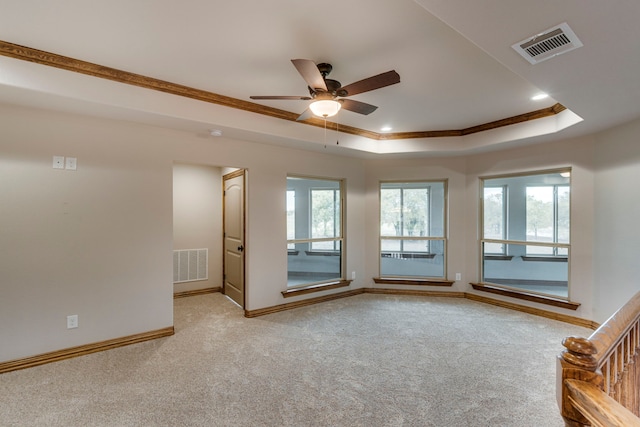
(498, 257)
(412, 281)
(315, 288)
(322, 253)
(408, 255)
(542, 299)
(545, 258)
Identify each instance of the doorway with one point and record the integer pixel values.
(233, 220)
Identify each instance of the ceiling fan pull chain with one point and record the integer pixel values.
(325, 132)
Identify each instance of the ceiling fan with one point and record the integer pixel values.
(325, 91)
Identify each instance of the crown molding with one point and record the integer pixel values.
(24, 53)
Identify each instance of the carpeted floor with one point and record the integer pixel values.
(368, 360)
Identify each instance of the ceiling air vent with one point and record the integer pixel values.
(546, 45)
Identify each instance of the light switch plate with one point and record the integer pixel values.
(72, 321)
(71, 163)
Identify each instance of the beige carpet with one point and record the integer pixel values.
(368, 360)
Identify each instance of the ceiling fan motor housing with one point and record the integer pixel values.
(334, 88)
(325, 69)
(323, 89)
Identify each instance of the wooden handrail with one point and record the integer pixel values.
(600, 409)
(607, 361)
(609, 333)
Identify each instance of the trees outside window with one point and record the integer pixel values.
(412, 229)
(495, 214)
(315, 237)
(525, 241)
(548, 218)
(325, 217)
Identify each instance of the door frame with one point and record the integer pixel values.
(235, 174)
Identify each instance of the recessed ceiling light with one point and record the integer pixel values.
(386, 128)
(539, 96)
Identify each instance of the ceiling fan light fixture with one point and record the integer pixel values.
(325, 107)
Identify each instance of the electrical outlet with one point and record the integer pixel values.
(458, 276)
(72, 321)
(58, 162)
(353, 275)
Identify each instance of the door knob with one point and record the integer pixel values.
(240, 248)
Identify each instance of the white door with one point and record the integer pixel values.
(233, 220)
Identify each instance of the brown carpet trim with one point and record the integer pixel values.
(535, 311)
(414, 292)
(417, 282)
(420, 292)
(315, 288)
(41, 57)
(542, 299)
(69, 353)
(194, 292)
(303, 303)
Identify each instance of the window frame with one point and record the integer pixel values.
(483, 256)
(339, 240)
(337, 213)
(555, 220)
(427, 184)
(505, 218)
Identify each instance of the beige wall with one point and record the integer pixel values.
(197, 218)
(577, 154)
(463, 174)
(617, 218)
(450, 169)
(98, 241)
(95, 242)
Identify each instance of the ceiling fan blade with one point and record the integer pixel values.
(301, 98)
(310, 73)
(306, 114)
(372, 83)
(357, 106)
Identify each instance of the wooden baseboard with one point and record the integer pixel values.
(535, 311)
(315, 288)
(310, 301)
(418, 292)
(303, 303)
(184, 294)
(69, 353)
(415, 282)
(527, 296)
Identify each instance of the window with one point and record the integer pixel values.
(412, 229)
(291, 217)
(314, 231)
(548, 218)
(495, 214)
(525, 232)
(325, 217)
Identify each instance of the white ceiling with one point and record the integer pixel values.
(454, 58)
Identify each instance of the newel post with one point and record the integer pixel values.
(578, 362)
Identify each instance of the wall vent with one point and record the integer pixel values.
(190, 265)
(546, 45)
